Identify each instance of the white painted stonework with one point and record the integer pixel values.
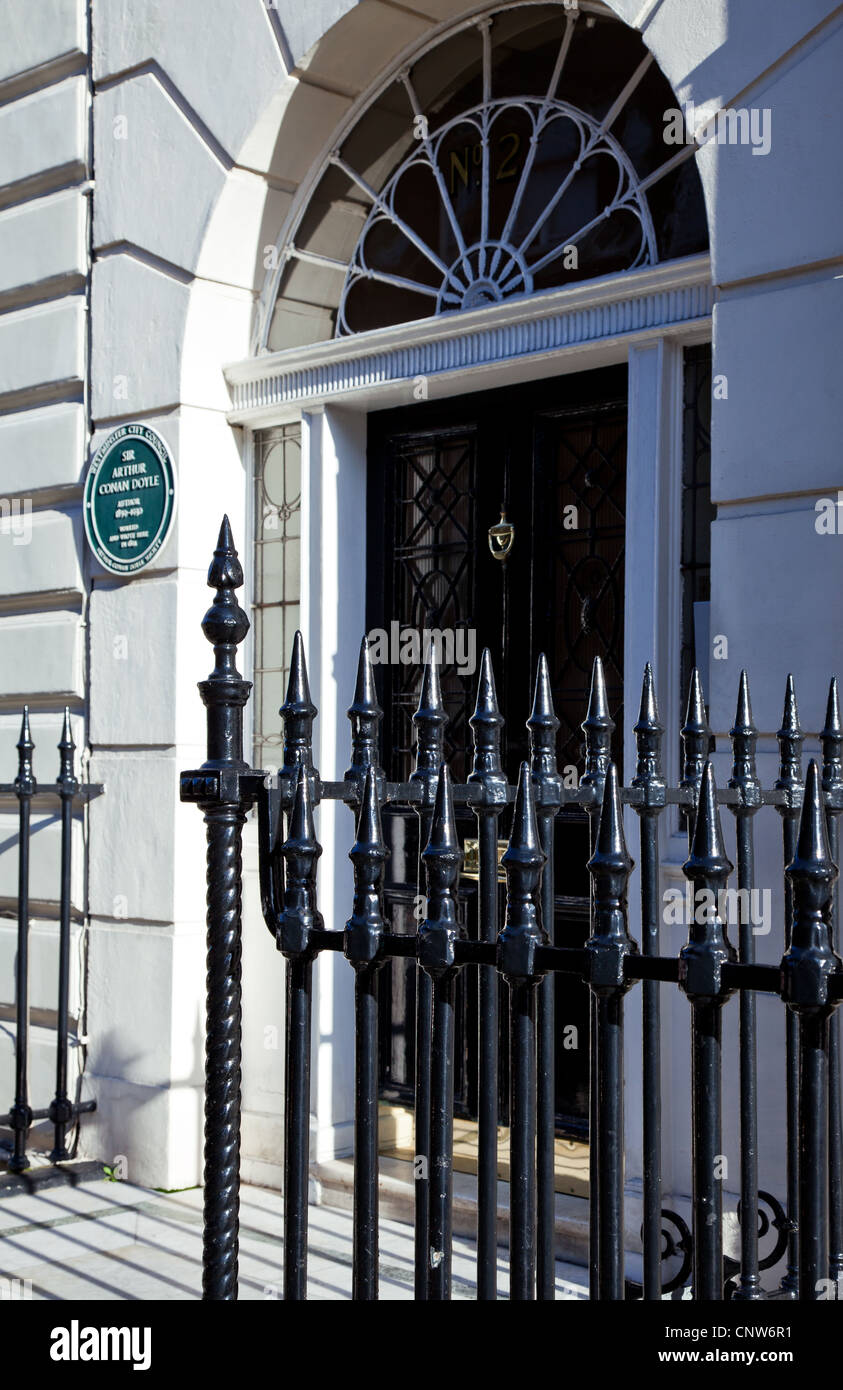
(229, 111)
(58, 31)
(44, 345)
(44, 132)
(43, 448)
(43, 239)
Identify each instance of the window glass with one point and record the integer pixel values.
(523, 153)
(277, 587)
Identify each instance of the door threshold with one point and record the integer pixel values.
(396, 1130)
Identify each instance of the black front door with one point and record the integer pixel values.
(552, 456)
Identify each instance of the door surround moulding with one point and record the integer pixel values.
(539, 335)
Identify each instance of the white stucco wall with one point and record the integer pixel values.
(44, 206)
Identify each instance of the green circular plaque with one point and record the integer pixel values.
(130, 498)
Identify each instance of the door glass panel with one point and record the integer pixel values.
(432, 581)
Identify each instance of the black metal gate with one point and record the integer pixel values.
(66, 1107)
(709, 969)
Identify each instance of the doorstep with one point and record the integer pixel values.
(333, 1186)
(396, 1130)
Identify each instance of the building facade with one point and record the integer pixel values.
(377, 272)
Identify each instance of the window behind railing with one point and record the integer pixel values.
(277, 586)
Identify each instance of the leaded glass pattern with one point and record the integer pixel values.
(585, 456)
(277, 586)
(433, 578)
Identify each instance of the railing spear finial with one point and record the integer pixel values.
(542, 726)
(25, 781)
(429, 721)
(790, 740)
(648, 738)
(66, 748)
(744, 736)
(598, 727)
(225, 624)
(610, 867)
(301, 850)
(696, 738)
(298, 713)
(523, 861)
(708, 867)
(810, 959)
(364, 929)
(486, 725)
(365, 715)
(442, 857)
(831, 742)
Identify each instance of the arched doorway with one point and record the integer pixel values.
(498, 206)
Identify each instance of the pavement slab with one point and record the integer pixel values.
(101, 1241)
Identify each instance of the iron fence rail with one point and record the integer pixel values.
(709, 970)
(62, 1110)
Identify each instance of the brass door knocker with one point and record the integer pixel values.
(501, 536)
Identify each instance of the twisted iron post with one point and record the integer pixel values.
(215, 788)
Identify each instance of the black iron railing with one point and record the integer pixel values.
(63, 1110)
(709, 969)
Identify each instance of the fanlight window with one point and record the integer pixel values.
(522, 153)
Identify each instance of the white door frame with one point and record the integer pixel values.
(645, 318)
